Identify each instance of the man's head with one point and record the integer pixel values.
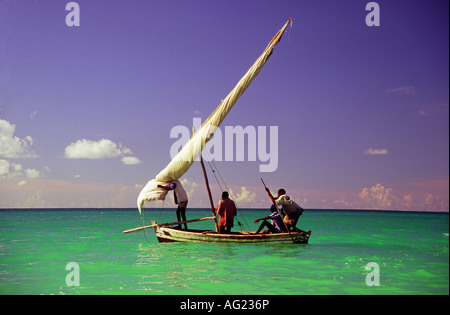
(281, 192)
(225, 194)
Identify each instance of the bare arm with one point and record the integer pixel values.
(265, 218)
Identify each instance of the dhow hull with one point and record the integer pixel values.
(167, 234)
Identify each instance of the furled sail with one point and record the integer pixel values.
(181, 163)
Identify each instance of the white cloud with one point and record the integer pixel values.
(403, 90)
(17, 167)
(32, 173)
(12, 146)
(371, 151)
(29, 140)
(11, 170)
(189, 186)
(131, 160)
(378, 197)
(33, 114)
(101, 149)
(186, 182)
(243, 196)
(4, 167)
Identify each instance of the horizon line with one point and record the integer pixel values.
(209, 209)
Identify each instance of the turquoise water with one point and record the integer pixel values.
(410, 249)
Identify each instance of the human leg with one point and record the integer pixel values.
(267, 225)
(181, 215)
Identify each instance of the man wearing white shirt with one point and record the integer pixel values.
(180, 198)
(289, 208)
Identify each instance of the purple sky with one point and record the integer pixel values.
(338, 90)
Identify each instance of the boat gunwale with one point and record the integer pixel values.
(164, 233)
(232, 234)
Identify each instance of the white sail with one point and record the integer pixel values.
(181, 163)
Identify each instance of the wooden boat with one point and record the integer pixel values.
(183, 160)
(170, 234)
(167, 233)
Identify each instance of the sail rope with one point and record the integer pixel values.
(211, 164)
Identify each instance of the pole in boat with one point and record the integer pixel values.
(209, 193)
(275, 204)
(165, 224)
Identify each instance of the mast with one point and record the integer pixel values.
(209, 194)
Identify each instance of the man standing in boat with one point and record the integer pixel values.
(181, 199)
(289, 208)
(227, 211)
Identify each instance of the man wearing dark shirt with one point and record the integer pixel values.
(227, 211)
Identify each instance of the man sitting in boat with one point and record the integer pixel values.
(289, 208)
(276, 226)
(181, 199)
(227, 211)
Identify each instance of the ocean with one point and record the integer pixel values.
(83, 251)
